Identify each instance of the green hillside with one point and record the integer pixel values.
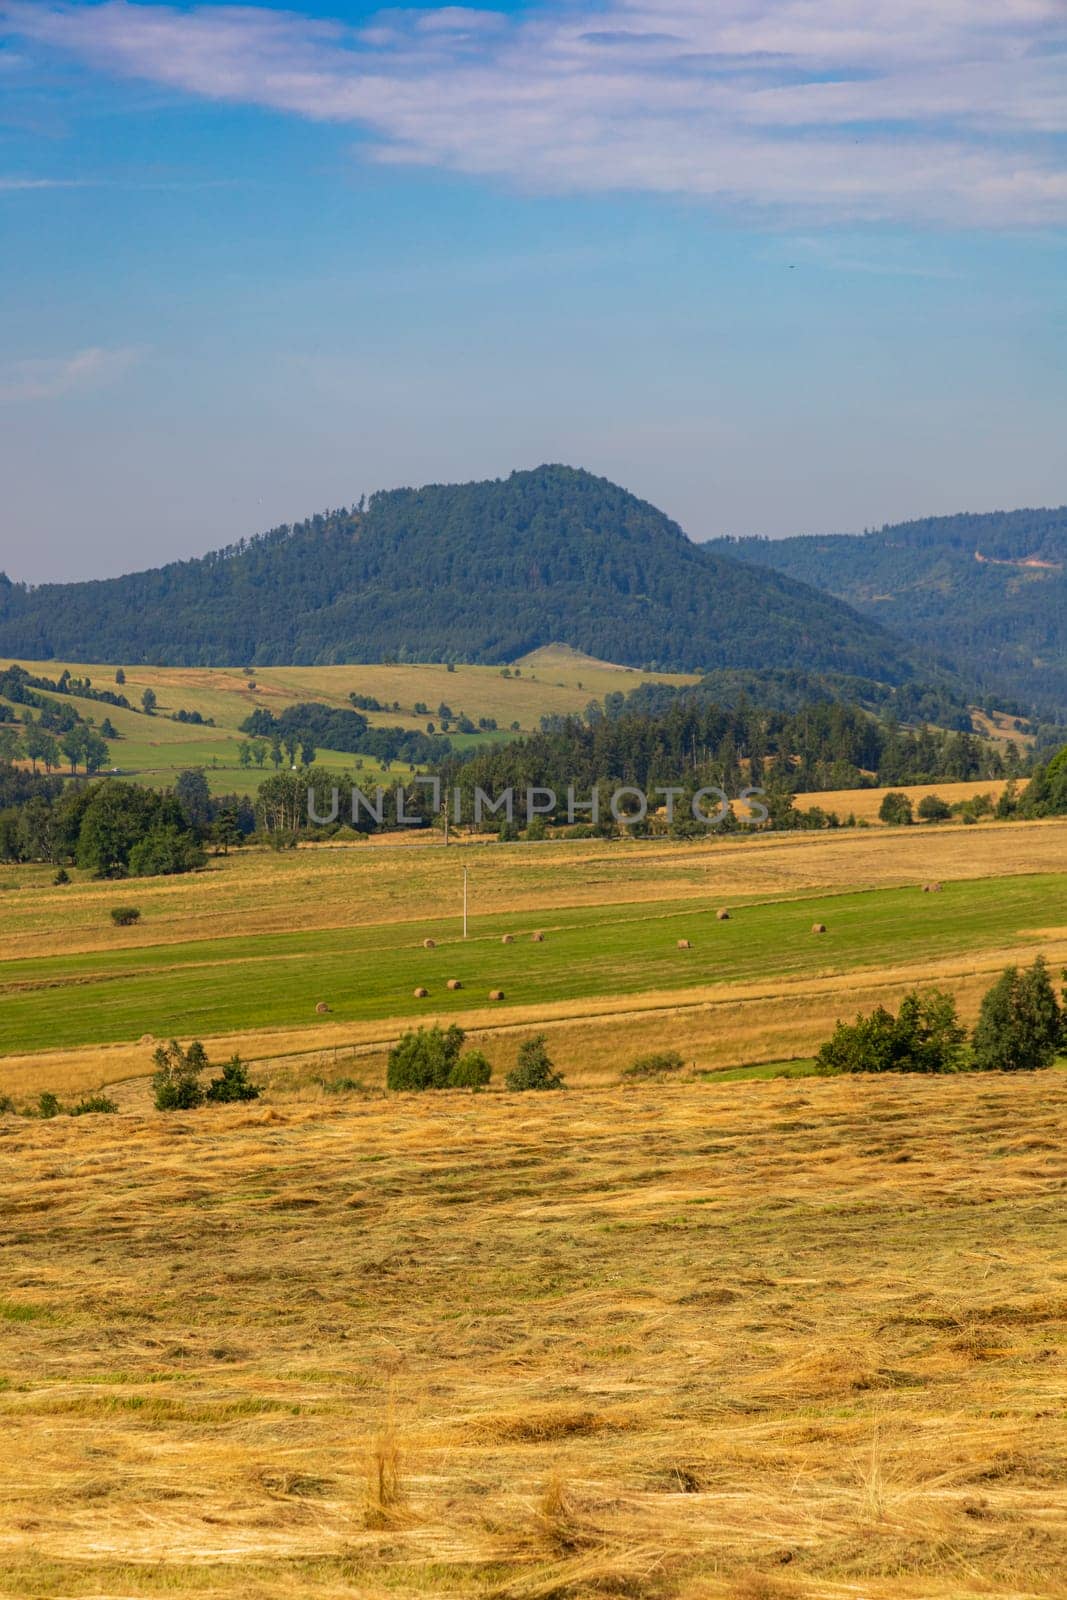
(482, 572)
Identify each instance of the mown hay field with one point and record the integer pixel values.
(757, 1341)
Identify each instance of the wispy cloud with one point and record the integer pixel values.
(27, 185)
(931, 111)
(47, 378)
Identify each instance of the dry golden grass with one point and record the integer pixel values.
(864, 804)
(767, 1341)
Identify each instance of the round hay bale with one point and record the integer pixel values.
(931, 888)
(429, 944)
(322, 1008)
(722, 916)
(509, 938)
(538, 938)
(147, 1038)
(683, 944)
(496, 994)
(454, 983)
(422, 994)
(818, 927)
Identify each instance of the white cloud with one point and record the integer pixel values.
(932, 111)
(50, 377)
(26, 185)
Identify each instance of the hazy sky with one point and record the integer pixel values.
(777, 265)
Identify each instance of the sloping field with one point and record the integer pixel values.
(242, 955)
(155, 749)
(763, 1341)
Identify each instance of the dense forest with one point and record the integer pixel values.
(479, 572)
(988, 591)
(822, 746)
(912, 702)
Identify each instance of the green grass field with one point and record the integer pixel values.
(213, 986)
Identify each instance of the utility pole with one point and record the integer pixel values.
(464, 902)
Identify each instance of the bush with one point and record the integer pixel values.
(978, 806)
(534, 1069)
(471, 1071)
(61, 877)
(7, 1106)
(48, 1105)
(1020, 1025)
(233, 1085)
(125, 916)
(896, 810)
(655, 1065)
(933, 809)
(424, 1058)
(176, 1080)
(92, 1104)
(537, 829)
(926, 1035)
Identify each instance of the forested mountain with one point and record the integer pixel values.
(989, 591)
(480, 572)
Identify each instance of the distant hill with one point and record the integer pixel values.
(480, 572)
(989, 591)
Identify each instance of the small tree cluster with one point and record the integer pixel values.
(176, 1081)
(433, 1058)
(1021, 1027)
(926, 1035)
(49, 1106)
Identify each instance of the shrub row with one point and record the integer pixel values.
(434, 1058)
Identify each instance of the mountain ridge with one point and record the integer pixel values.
(481, 572)
(988, 590)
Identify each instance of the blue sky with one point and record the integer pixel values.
(778, 265)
